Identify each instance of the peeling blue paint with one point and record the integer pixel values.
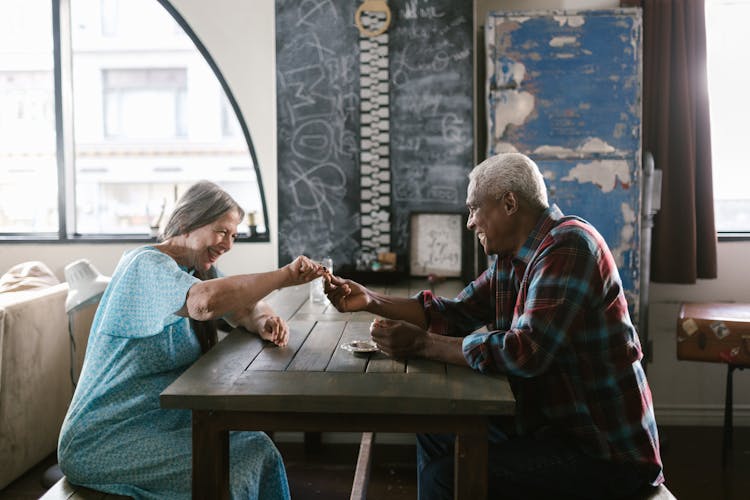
(564, 87)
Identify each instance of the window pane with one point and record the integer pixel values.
(150, 119)
(728, 80)
(28, 164)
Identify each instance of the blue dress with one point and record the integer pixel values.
(115, 436)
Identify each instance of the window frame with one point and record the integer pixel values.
(63, 95)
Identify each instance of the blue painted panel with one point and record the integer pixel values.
(607, 203)
(564, 87)
(560, 79)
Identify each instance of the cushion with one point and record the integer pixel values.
(27, 276)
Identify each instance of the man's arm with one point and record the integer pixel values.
(216, 298)
(401, 340)
(349, 296)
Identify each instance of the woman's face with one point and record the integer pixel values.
(209, 242)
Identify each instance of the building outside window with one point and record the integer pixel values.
(147, 118)
(28, 164)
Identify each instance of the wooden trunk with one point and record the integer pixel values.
(714, 332)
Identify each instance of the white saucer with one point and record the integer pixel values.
(360, 346)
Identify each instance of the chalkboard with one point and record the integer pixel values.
(432, 124)
(318, 114)
(431, 120)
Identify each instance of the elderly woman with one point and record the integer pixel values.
(155, 319)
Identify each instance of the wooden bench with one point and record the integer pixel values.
(64, 490)
(364, 463)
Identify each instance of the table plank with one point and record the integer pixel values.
(398, 290)
(419, 365)
(448, 288)
(274, 358)
(381, 363)
(328, 392)
(362, 316)
(286, 301)
(345, 361)
(318, 348)
(332, 314)
(416, 285)
(233, 354)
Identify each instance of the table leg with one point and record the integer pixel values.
(210, 458)
(470, 471)
(313, 442)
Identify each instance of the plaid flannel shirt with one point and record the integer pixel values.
(559, 328)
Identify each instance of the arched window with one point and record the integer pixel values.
(108, 116)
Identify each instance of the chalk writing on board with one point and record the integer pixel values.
(318, 107)
(431, 110)
(435, 244)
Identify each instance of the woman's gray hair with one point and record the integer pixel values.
(203, 203)
(505, 172)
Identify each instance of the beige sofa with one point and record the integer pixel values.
(35, 380)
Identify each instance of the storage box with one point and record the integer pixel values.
(714, 332)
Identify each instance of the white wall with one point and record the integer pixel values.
(240, 36)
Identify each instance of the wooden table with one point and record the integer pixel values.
(312, 385)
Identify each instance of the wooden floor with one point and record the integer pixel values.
(692, 461)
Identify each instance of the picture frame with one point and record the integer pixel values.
(439, 245)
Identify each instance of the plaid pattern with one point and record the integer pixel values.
(559, 328)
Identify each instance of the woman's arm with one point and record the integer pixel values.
(261, 319)
(218, 297)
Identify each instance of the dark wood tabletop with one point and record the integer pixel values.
(314, 385)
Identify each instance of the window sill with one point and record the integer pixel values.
(734, 236)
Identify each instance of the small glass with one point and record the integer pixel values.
(317, 293)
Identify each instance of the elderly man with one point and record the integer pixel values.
(558, 326)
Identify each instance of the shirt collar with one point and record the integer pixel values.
(548, 220)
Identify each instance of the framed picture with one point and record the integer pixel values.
(439, 245)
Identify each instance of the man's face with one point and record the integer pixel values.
(490, 219)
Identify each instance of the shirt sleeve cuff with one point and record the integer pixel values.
(425, 298)
(475, 349)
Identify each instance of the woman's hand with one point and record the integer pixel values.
(273, 329)
(346, 295)
(302, 270)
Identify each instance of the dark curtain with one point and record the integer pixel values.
(676, 130)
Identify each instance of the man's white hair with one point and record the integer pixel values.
(505, 172)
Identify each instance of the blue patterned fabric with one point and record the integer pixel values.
(115, 437)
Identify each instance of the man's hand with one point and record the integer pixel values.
(346, 295)
(273, 329)
(302, 270)
(399, 339)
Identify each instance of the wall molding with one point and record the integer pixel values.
(700, 415)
